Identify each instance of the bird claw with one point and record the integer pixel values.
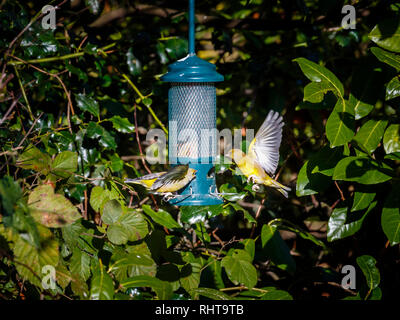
(167, 196)
(251, 178)
(257, 187)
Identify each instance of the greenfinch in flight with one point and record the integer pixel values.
(261, 161)
(168, 182)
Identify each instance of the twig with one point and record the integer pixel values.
(30, 130)
(340, 191)
(256, 217)
(142, 97)
(59, 80)
(10, 109)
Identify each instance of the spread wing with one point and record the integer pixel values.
(173, 175)
(265, 146)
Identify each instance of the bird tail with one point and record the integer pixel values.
(278, 186)
(147, 180)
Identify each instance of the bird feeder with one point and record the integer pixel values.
(192, 137)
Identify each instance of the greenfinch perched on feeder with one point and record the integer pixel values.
(261, 161)
(167, 182)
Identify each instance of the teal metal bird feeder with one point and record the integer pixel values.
(192, 122)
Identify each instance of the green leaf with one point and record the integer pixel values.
(210, 293)
(195, 214)
(239, 269)
(112, 211)
(390, 219)
(161, 217)
(314, 92)
(80, 263)
(338, 225)
(282, 224)
(250, 247)
(325, 160)
(340, 124)
(122, 124)
(101, 286)
(393, 89)
(277, 295)
(50, 209)
(123, 226)
(362, 170)
(10, 193)
(386, 34)
(86, 103)
(317, 73)
(389, 58)
(33, 158)
(100, 196)
(371, 272)
(362, 200)
(190, 273)
(64, 164)
(105, 138)
(234, 194)
(134, 64)
(276, 249)
(32, 260)
(163, 289)
(310, 183)
(391, 139)
(370, 134)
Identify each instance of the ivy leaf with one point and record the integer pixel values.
(239, 268)
(386, 34)
(370, 134)
(340, 124)
(86, 103)
(390, 219)
(370, 271)
(161, 217)
(122, 124)
(317, 73)
(50, 209)
(391, 139)
(134, 64)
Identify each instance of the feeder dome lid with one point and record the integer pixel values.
(192, 69)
